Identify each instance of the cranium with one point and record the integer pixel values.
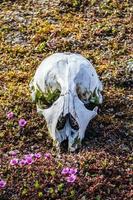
(67, 92)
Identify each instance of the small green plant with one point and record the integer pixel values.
(51, 190)
(40, 194)
(24, 192)
(52, 173)
(47, 98)
(76, 3)
(72, 193)
(60, 187)
(104, 163)
(98, 197)
(37, 185)
(41, 47)
(94, 97)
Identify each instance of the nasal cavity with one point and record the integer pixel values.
(62, 121)
(73, 122)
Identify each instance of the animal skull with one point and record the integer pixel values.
(67, 91)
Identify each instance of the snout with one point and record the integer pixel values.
(68, 126)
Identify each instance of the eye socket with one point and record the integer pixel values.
(45, 100)
(90, 106)
(83, 94)
(90, 99)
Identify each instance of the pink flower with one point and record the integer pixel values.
(71, 179)
(2, 184)
(22, 162)
(65, 171)
(10, 115)
(37, 155)
(72, 171)
(14, 161)
(22, 122)
(29, 155)
(47, 155)
(29, 159)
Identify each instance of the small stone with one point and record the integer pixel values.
(39, 135)
(119, 114)
(101, 126)
(83, 198)
(124, 147)
(18, 134)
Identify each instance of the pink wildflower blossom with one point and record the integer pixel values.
(72, 171)
(29, 159)
(37, 155)
(71, 179)
(14, 161)
(22, 162)
(10, 115)
(2, 184)
(47, 155)
(22, 122)
(29, 155)
(65, 171)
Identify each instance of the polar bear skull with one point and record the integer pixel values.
(67, 92)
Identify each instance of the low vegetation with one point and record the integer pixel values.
(30, 168)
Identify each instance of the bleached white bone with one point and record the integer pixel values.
(78, 83)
